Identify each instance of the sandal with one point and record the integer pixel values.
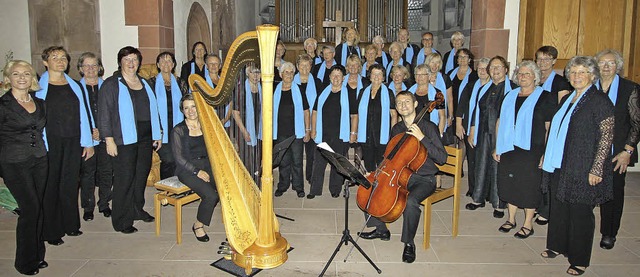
(524, 233)
(506, 227)
(541, 220)
(549, 254)
(575, 271)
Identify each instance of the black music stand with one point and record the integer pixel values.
(278, 155)
(354, 177)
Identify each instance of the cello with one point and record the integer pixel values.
(386, 199)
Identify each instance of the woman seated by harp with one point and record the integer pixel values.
(192, 164)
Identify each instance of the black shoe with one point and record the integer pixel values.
(498, 214)
(409, 253)
(129, 230)
(376, 235)
(335, 195)
(87, 216)
(148, 218)
(541, 221)
(204, 238)
(32, 272)
(106, 212)
(472, 206)
(279, 193)
(607, 242)
(43, 264)
(507, 227)
(56, 242)
(468, 194)
(74, 233)
(523, 233)
(300, 194)
(311, 196)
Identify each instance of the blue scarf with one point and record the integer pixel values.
(311, 92)
(516, 130)
(364, 70)
(613, 89)
(390, 66)
(298, 116)
(465, 80)
(210, 82)
(323, 67)
(86, 138)
(161, 97)
(558, 134)
(450, 64)
(127, 113)
(345, 125)
(250, 120)
(477, 93)
(392, 87)
(549, 82)
(385, 59)
(408, 52)
(421, 56)
(363, 111)
(345, 83)
(433, 115)
(442, 86)
(317, 60)
(345, 48)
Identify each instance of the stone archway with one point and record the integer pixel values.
(197, 28)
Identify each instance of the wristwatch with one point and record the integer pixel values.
(629, 151)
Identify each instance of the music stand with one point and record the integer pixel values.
(353, 176)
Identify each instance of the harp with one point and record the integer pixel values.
(247, 212)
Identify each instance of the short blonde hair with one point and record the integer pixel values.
(402, 69)
(6, 83)
(311, 41)
(433, 56)
(457, 35)
(353, 58)
(344, 35)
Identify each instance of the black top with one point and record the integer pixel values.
(353, 92)
(324, 80)
(331, 116)
(21, 131)
(374, 115)
(186, 70)
(489, 105)
(436, 152)
(381, 61)
(455, 89)
(350, 50)
(559, 83)
(186, 148)
(543, 112)
(286, 114)
(141, 104)
(318, 85)
(627, 114)
(92, 91)
(445, 58)
(424, 100)
(63, 112)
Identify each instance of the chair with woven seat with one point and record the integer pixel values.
(452, 166)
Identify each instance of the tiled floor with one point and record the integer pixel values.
(479, 250)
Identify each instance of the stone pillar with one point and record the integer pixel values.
(488, 36)
(154, 19)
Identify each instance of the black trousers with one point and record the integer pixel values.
(611, 212)
(130, 171)
(420, 187)
(96, 172)
(61, 214)
(26, 182)
(320, 164)
(471, 165)
(571, 228)
(373, 154)
(486, 174)
(168, 163)
(207, 191)
(309, 151)
(290, 169)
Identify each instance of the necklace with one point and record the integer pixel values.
(25, 101)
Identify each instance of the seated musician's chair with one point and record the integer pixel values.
(172, 192)
(453, 166)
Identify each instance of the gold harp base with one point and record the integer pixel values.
(263, 257)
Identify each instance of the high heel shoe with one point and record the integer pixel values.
(204, 238)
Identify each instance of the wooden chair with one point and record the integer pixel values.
(177, 197)
(452, 166)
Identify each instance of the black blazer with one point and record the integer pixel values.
(627, 118)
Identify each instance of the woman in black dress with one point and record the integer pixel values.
(23, 159)
(578, 154)
(524, 120)
(192, 164)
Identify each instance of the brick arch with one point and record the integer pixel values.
(197, 28)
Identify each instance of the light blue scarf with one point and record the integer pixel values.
(549, 82)
(516, 130)
(297, 109)
(321, 71)
(363, 112)
(311, 92)
(433, 115)
(317, 60)
(250, 120)
(161, 97)
(465, 80)
(450, 64)
(83, 82)
(558, 134)
(344, 56)
(613, 89)
(210, 82)
(390, 66)
(345, 83)
(392, 87)
(421, 56)
(477, 93)
(385, 59)
(364, 70)
(86, 138)
(127, 113)
(408, 52)
(345, 125)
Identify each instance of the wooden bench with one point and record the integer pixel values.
(453, 166)
(176, 196)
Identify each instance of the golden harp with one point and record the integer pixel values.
(247, 212)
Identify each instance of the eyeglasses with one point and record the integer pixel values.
(130, 60)
(609, 63)
(493, 67)
(90, 66)
(427, 39)
(544, 60)
(463, 57)
(525, 74)
(579, 73)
